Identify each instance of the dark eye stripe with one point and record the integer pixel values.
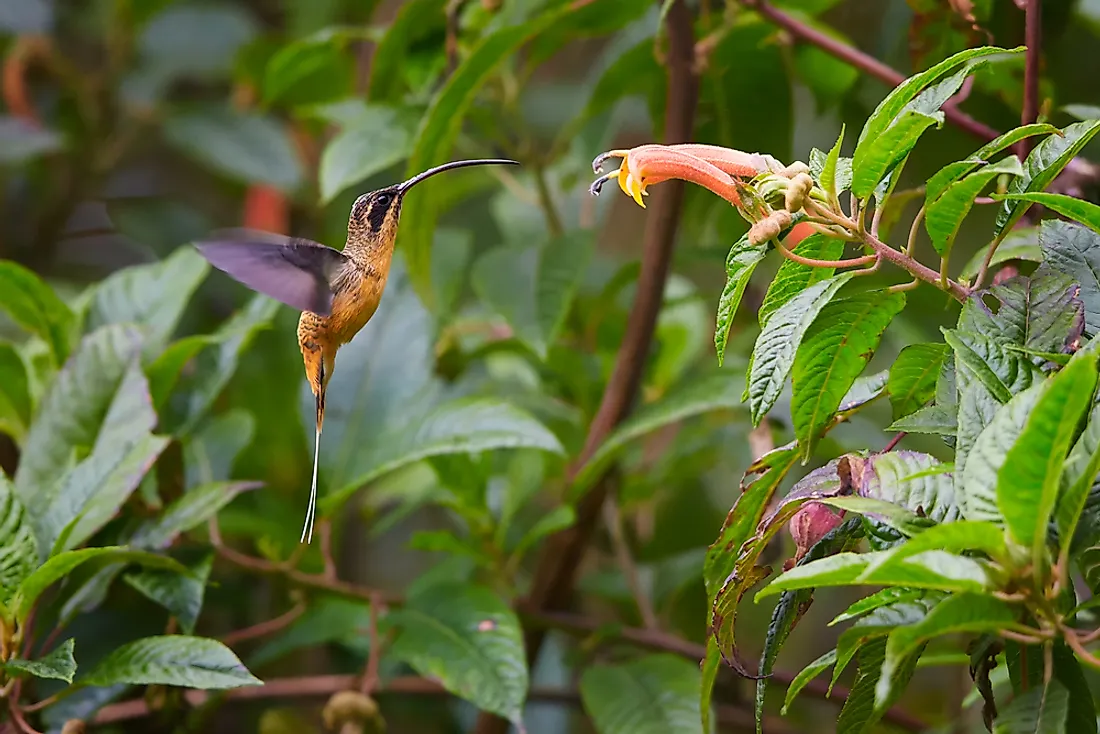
(377, 213)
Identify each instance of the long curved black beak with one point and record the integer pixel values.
(403, 187)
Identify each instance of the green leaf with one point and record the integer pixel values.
(18, 550)
(59, 664)
(153, 296)
(807, 674)
(164, 370)
(34, 306)
(533, 287)
(387, 408)
(328, 619)
(985, 462)
(1074, 250)
(469, 640)
(215, 365)
(901, 519)
(1081, 469)
(891, 595)
(192, 509)
(833, 353)
(1080, 210)
(172, 660)
(860, 712)
(935, 569)
(414, 19)
(62, 565)
(1029, 478)
(710, 664)
(775, 348)
(913, 377)
(959, 537)
(440, 128)
(374, 141)
(831, 181)
(945, 215)
(558, 519)
(958, 613)
(793, 278)
(181, 595)
(97, 400)
(1040, 313)
(873, 163)
(741, 261)
(245, 146)
(15, 397)
(1039, 710)
(195, 40)
(1043, 164)
(92, 493)
(1021, 243)
(896, 102)
(910, 479)
(793, 605)
(653, 694)
(952, 172)
(21, 141)
(716, 392)
(308, 71)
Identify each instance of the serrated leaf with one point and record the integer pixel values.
(792, 277)
(740, 263)
(910, 479)
(913, 377)
(193, 508)
(1081, 469)
(807, 674)
(716, 392)
(181, 595)
(1074, 250)
(1029, 477)
(99, 397)
(172, 660)
(934, 570)
(833, 353)
(245, 146)
(387, 408)
(1043, 164)
(62, 565)
(533, 287)
(375, 140)
(58, 664)
(153, 296)
(775, 348)
(1039, 710)
(653, 694)
(934, 419)
(793, 605)
(1038, 313)
(945, 215)
(1080, 210)
(832, 183)
(441, 125)
(34, 306)
(860, 712)
(902, 95)
(886, 597)
(958, 613)
(962, 536)
(469, 640)
(872, 164)
(953, 172)
(18, 550)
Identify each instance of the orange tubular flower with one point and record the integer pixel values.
(710, 166)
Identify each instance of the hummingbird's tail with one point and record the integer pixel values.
(311, 512)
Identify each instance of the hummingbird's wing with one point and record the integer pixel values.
(296, 271)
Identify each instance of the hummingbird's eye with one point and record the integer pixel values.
(384, 199)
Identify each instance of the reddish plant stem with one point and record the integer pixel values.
(556, 573)
(374, 655)
(1033, 40)
(262, 629)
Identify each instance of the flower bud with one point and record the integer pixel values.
(73, 726)
(769, 227)
(797, 191)
(353, 708)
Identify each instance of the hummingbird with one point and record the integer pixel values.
(336, 291)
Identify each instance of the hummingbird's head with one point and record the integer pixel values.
(375, 214)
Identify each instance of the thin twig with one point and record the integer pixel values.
(815, 263)
(614, 521)
(1033, 41)
(546, 203)
(263, 629)
(17, 718)
(329, 567)
(374, 655)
